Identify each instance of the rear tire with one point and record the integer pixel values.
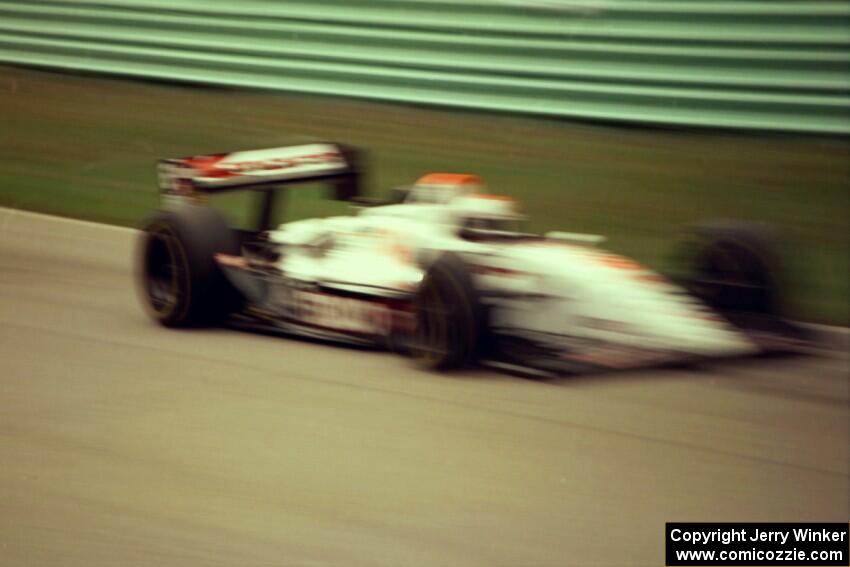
(450, 322)
(180, 282)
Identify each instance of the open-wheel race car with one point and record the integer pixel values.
(443, 272)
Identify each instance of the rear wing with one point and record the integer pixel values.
(188, 179)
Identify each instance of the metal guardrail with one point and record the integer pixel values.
(758, 64)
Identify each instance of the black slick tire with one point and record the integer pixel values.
(180, 283)
(735, 267)
(450, 323)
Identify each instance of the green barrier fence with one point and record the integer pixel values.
(760, 64)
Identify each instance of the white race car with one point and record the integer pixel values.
(444, 273)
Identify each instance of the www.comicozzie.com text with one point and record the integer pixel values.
(726, 536)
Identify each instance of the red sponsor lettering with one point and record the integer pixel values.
(278, 163)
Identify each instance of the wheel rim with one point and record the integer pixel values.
(162, 272)
(431, 343)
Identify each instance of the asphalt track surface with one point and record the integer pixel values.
(123, 443)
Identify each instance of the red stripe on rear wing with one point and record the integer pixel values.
(263, 169)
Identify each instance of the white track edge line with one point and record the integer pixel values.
(10, 211)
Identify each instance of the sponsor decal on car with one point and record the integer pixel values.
(274, 165)
(275, 162)
(334, 312)
(343, 313)
(180, 176)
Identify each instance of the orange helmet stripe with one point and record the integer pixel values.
(449, 179)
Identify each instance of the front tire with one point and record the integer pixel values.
(450, 323)
(735, 267)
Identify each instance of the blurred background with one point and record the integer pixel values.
(626, 118)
